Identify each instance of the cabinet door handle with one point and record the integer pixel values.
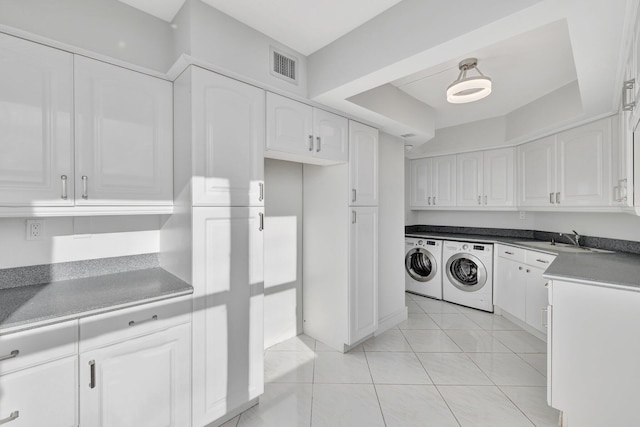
(551, 198)
(542, 261)
(139, 322)
(479, 202)
(319, 147)
(626, 87)
(429, 200)
(85, 190)
(546, 285)
(558, 198)
(508, 253)
(528, 271)
(63, 180)
(434, 200)
(261, 226)
(543, 317)
(519, 268)
(92, 373)
(11, 355)
(11, 417)
(354, 195)
(485, 200)
(310, 142)
(261, 196)
(353, 217)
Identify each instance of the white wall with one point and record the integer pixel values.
(107, 27)
(81, 238)
(391, 231)
(282, 251)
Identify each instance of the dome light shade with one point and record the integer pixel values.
(468, 89)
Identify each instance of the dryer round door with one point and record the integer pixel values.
(466, 272)
(420, 264)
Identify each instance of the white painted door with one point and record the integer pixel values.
(331, 136)
(537, 176)
(363, 164)
(469, 181)
(228, 283)
(142, 382)
(511, 287)
(363, 267)
(499, 176)
(36, 107)
(44, 395)
(537, 299)
(420, 182)
(584, 174)
(443, 181)
(289, 126)
(622, 161)
(228, 141)
(123, 136)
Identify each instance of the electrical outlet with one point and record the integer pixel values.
(523, 215)
(35, 229)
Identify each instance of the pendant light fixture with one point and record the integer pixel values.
(468, 89)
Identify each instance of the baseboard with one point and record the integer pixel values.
(391, 321)
(240, 409)
(510, 317)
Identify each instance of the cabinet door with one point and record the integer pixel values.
(622, 155)
(124, 136)
(363, 267)
(537, 299)
(537, 164)
(42, 396)
(228, 283)
(443, 180)
(420, 182)
(363, 164)
(510, 287)
(469, 182)
(584, 165)
(289, 126)
(331, 136)
(498, 177)
(36, 95)
(141, 382)
(228, 121)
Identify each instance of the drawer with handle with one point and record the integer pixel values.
(509, 252)
(21, 350)
(539, 259)
(104, 329)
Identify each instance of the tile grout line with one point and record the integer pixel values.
(375, 390)
(313, 379)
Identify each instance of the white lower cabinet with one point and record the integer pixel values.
(140, 382)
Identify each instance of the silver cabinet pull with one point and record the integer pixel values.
(551, 198)
(92, 372)
(85, 190)
(543, 317)
(508, 253)
(353, 217)
(151, 319)
(11, 355)
(434, 200)
(485, 200)
(310, 142)
(528, 271)
(261, 196)
(11, 417)
(546, 285)
(479, 202)
(542, 261)
(63, 179)
(319, 147)
(558, 198)
(353, 195)
(626, 87)
(519, 268)
(261, 226)
(429, 200)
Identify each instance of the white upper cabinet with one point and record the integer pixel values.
(499, 176)
(124, 135)
(228, 124)
(469, 191)
(36, 105)
(363, 164)
(301, 133)
(420, 182)
(443, 181)
(570, 169)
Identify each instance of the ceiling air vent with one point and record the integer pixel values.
(284, 67)
(408, 135)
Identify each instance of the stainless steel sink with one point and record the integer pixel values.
(563, 247)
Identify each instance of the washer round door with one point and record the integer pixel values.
(420, 264)
(466, 272)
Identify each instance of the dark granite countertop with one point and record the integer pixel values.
(26, 307)
(618, 269)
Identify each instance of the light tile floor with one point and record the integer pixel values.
(446, 365)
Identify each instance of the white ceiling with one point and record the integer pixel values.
(163, 9)
(522, 69)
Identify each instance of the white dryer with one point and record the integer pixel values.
(468, 277)
(423, 274)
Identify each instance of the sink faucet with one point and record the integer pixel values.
(575, 240)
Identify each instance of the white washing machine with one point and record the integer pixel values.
(422, 266)
(468, 277)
